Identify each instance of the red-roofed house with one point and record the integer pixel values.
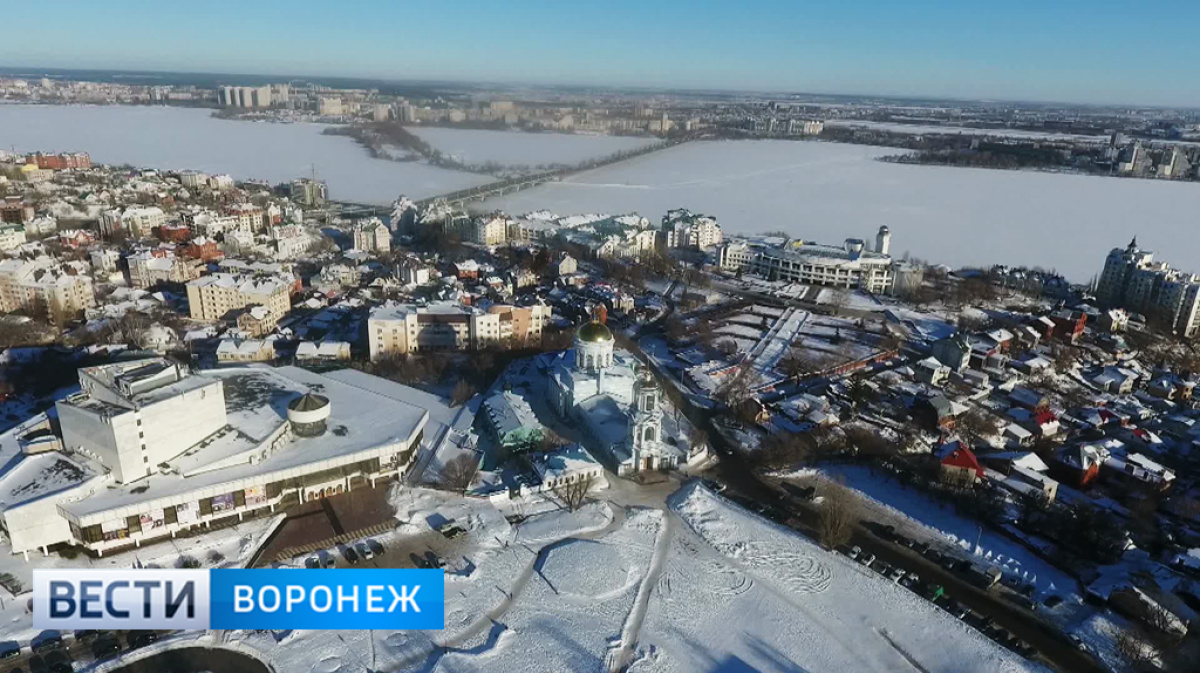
(959, 464)
(1045, 423)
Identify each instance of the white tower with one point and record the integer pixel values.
(645, 423)
(883, 240)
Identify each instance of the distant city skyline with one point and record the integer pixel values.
(1021, 50)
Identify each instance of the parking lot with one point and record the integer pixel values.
(56, 652)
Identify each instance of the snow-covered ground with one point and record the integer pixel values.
(828, 192)
(516, 148)
(225, 548)
(179, 138)
(738, 593)
(971, 537)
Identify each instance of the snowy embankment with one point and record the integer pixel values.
(740, 593)
(971, 537)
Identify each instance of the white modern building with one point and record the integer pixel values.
(148, 451)
(685, 229)
(850, 266)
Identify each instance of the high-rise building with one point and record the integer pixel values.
(883, 240)
(1131, 279)
(310, 193)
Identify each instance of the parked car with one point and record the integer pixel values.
(854, 552)
(955, 608)
(375, 546)
(85, 635)
(867, 559)
(933, 555)
(138, 639)
(45, 642)
(57, 661)
(105, 645)
(10, 649)
(896, 575)
(1053, 601)
(364, 551)
(312, 563)
(349, 554)
(326, 559)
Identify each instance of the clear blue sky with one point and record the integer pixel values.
(1118, 51)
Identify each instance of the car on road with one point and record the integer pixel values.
(349, 554)
(138, 639)
(955, 608)
(896, 575)
(375, 546)
(867, 559)
(10, 649)
(933, 555)
(854, 552)
(312, 563)
(105, 645)
(1024, 649)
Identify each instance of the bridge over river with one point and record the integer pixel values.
(460, 198)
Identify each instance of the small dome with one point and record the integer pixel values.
(594, 332)
(308, 402)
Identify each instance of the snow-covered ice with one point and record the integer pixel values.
(187, 138)
(828, 192)
(516, 148)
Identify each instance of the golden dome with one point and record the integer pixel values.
(594, 332)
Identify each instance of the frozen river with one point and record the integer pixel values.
(828, 192)
(509, 148)
(820, 191)
(181, 138)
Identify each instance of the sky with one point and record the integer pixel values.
(1135, 52)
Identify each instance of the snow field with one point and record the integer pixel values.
(740, 593)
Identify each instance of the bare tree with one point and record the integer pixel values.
(839, 512)
(782, 450)
(458, 474)
(737, 387)
(975, 426)
(837, 298)
(572, 493)
(799, 363)
(1136, 650)
(551, 440)
(463, 391)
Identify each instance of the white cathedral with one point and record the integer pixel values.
(617, 402)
